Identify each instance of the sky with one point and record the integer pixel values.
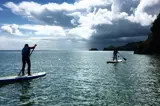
(75, 24)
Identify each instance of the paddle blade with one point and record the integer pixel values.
(125, 59)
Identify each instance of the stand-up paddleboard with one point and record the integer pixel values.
(115, 61)
(11, 79)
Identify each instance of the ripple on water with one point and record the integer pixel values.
(82, 78)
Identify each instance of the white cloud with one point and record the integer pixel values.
(85, 4)
(80, 32)
(80, 19)
(12, 29)
(58, 32)
(43, 43)
(42, 13)
(116, 5)
(55, 31)
(143, 18)
(145, 4)
(37, 11)
(1, 9)
(12, 43)
(24, 8)
(140, 14)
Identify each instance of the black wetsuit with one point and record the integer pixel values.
(115, 54)
(26, 59)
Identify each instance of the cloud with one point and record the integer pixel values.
(149, 6)
(146, 12)
(1, 9)
(46, 30)
(121, 32)
(96, 12)
(52, 13)
(100, 22)
(44, 43)
(7, 42)
(11, 29)
(52, 32)
(80, 32)
(124, 5)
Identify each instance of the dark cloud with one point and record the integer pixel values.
(59, 18)
(126, 5)
(100, 44)
(129, 5)
(153, 9)
(120, 32)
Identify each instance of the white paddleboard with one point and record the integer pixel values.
(115, 61)
(11, 79)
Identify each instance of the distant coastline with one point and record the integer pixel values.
(93, 49)
(127, 47)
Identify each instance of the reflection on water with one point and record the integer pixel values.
(25, 95)
(83, 78)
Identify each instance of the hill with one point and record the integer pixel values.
(128, 47)
(152, 44)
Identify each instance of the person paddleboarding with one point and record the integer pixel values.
(115, 52)
(26, 58)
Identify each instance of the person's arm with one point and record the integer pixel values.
(33, 46)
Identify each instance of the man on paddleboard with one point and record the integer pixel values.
(115, 52)
(26, 58)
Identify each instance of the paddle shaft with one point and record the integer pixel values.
(122, 56)
(29, 56)
(31, 53)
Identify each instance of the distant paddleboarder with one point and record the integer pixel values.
(26, 58)
(115, 52)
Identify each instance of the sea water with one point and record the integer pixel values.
(82, 78)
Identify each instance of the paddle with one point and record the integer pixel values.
(122, 56)
(29, 56)
(31, 52)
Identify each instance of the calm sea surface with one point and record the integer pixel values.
(82, 78)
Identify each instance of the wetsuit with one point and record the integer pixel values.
(115, 54)
(26, 59)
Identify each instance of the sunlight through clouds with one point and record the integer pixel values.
(85, 19)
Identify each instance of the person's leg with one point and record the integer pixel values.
(29, 66)
(23, 65)
(113, 57)
(116, 58)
